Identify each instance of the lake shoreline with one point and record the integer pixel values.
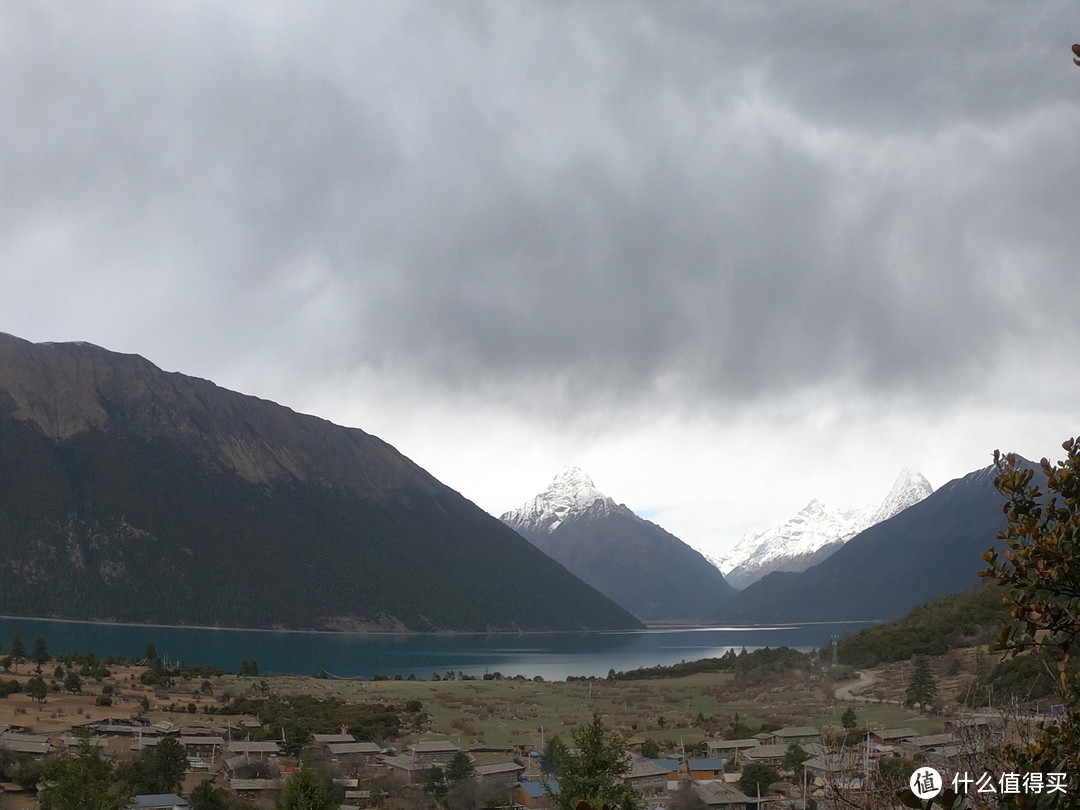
(659, 626)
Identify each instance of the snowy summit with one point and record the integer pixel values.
(570, 494)
(814, 533)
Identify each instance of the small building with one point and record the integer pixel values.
(774, 754)
(674, 768)
(705, 767)
(111, 729)
(729, 749)
(499, 774)
(249, 748)
(255, 788)
(19, 743)
(350, 754)
(803, 735)
(725, 748)
(834, 767)
(892, 736)
(71, 743)
(930, 742)
(326, 739)
(729, 797)
(647, 778)
(203, 745)
(432, 752)
(406, 769)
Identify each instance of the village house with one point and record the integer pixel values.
(647, 778)
(774, 754)
(354, 753)
(256, 788)
(891, 736)
(674, 768)
(406, 769)
(499, 775)
(729, 797)
(831, 768)
(803, 735)
(729, 749)
(432, 752)
(70, 743)
(326, 739)
(18, 743)
(705, 767)
(248, 748)
(342, 749)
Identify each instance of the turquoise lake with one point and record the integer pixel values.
(553, 656)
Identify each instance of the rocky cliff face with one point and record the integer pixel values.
(69, 389)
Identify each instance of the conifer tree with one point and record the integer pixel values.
(922, 689)
(848, 719)
(82, 781)
(590, 770)
(40, 655)
(459, 768)
(308, 789)
(18, 650)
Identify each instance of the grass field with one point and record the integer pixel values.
(500, 714)
(503, 713)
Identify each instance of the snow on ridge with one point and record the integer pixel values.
(783, 546)
(570, 493)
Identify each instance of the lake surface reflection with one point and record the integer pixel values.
(553, 656)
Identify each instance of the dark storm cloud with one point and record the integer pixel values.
(610, 202)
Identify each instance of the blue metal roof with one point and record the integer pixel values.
(159, 800)
(535, 790)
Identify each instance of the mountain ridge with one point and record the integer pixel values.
(928, 550)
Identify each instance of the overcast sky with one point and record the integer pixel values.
(725, 256)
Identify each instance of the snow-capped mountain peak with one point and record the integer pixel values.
(813, 533)
(910, 488)
(571, 493)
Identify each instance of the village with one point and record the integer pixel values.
(466, 743)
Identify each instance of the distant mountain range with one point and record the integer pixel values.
(814, 533)
(928, 550)
(634, 562)
(132, 494)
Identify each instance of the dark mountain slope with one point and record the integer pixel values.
(132, 494)
(930, 549)
(634, 562)
(639, 565)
